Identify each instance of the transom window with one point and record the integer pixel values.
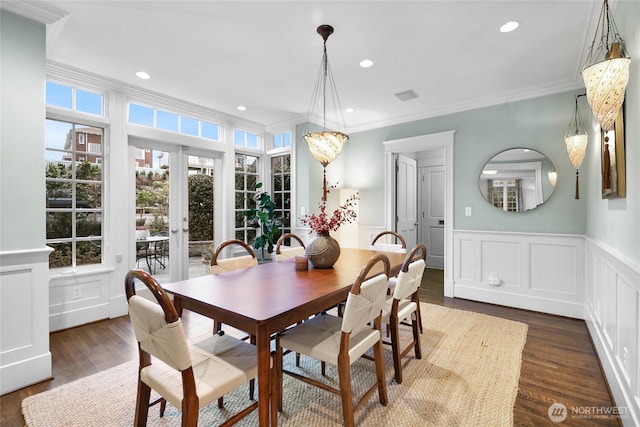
(74, 183)
(245, 139)
(172, 122)
(74, 99)
(282, 140)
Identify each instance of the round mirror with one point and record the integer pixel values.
(517, 180)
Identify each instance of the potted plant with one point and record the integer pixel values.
(263, 216)
(142, 232)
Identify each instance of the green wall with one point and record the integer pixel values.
(538, 123)
(22, 199)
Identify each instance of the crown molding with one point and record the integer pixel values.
(38, 11)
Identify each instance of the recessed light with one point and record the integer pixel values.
(143, 75)
(366, 63)
(489, 172)
(349, 110)
(241, 108)
(507, 27)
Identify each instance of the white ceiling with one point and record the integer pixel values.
(266, 54)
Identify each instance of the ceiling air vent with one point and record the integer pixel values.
(407, 95)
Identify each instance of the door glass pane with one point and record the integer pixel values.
(152, 212)
(201, 210)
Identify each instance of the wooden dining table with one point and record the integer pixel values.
(268, 298)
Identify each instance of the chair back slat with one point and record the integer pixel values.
(367, 296)
(409, 281)
(286, 252)
(165, 341)
(230, 264)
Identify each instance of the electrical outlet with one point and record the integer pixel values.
(77, 292)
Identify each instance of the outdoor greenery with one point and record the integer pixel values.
(88, 199)
(152, 198)
(200, 207)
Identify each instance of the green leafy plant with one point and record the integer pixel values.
(263, 216)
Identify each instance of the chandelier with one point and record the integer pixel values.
(576, 139)
(325, 145)
(606, 71)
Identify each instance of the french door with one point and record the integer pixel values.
(174, 204)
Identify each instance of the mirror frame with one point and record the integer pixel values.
(535, 166)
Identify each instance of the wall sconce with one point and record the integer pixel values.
(553, 176)
(325, 145)
(576, 139)
(606, 71)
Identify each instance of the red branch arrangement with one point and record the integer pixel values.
(323, 223)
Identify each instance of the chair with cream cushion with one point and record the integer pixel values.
(221, 265)
(232, 263)
(187, 376)
(404, 305)
(381, 242)
(342, 341)
(286, 252)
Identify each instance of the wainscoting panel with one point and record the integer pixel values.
(24, 327)
(612, 313)
(540, 272)
(79, 299)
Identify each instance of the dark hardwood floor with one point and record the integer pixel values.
(558, 361)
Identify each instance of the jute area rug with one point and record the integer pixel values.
(468, 376)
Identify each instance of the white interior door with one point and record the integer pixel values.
(432, 179)
(406, 199)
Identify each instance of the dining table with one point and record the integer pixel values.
(268, 298)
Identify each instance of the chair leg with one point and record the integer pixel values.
(273, 398)
(163, 407)
(416, 335)
(142, 404)
(190, 408)
(395, 349)
(382, 385)
(418, 314)
(279, 374)
(344, 375)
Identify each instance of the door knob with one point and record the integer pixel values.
(186, 230)
(174, 230)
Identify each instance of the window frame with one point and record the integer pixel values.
(78, 119)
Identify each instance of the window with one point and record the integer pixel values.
(74, 99)
(246, 177)
(282, 140)
(172, 122)
(81, 138)
(74, 184)
(281, 176)
(245, 139)
(506, 194)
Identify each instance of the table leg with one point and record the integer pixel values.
(264, 374)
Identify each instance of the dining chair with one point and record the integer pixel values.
(187, 376)
(404, 304)
(380, 242)
(232, 263)
(286, 252)
(342, 341)
(220, 265)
